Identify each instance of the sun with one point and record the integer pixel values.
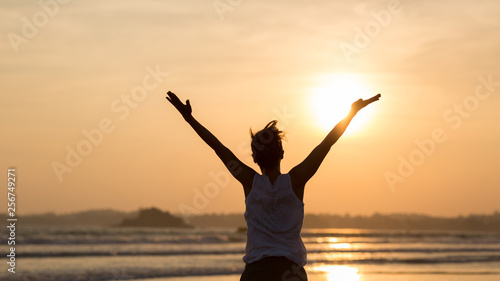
(332, 97)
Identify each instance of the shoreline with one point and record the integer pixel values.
(360, 277)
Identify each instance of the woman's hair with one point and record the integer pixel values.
(266, 146)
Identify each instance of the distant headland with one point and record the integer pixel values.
(154, 217)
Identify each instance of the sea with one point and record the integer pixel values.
(137, 253)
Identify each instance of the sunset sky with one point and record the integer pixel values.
(85, 121)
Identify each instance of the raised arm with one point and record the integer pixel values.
(240, 171)
(301, 173)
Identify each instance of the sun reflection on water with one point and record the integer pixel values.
(340, 246)
(339, 272)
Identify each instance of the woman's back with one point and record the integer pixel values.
(274, 218)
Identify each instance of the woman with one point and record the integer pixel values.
(274, 206)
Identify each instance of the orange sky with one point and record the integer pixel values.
(90, 78)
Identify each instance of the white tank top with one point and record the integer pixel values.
(274, 216)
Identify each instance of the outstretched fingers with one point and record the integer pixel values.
(172, 97)
(184, 109)
(174, 100)
(373, 99)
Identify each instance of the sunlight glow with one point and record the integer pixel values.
(339, 272)
(327, 240)
(340, 246)
(332, 98)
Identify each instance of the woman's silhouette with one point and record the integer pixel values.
(274, 206)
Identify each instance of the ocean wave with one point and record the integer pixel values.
(429, 260)
(232, 238)
(99, 240)
(100, 236)
(137, 251)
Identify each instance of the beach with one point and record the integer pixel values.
(209, 254)
(370, 277)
